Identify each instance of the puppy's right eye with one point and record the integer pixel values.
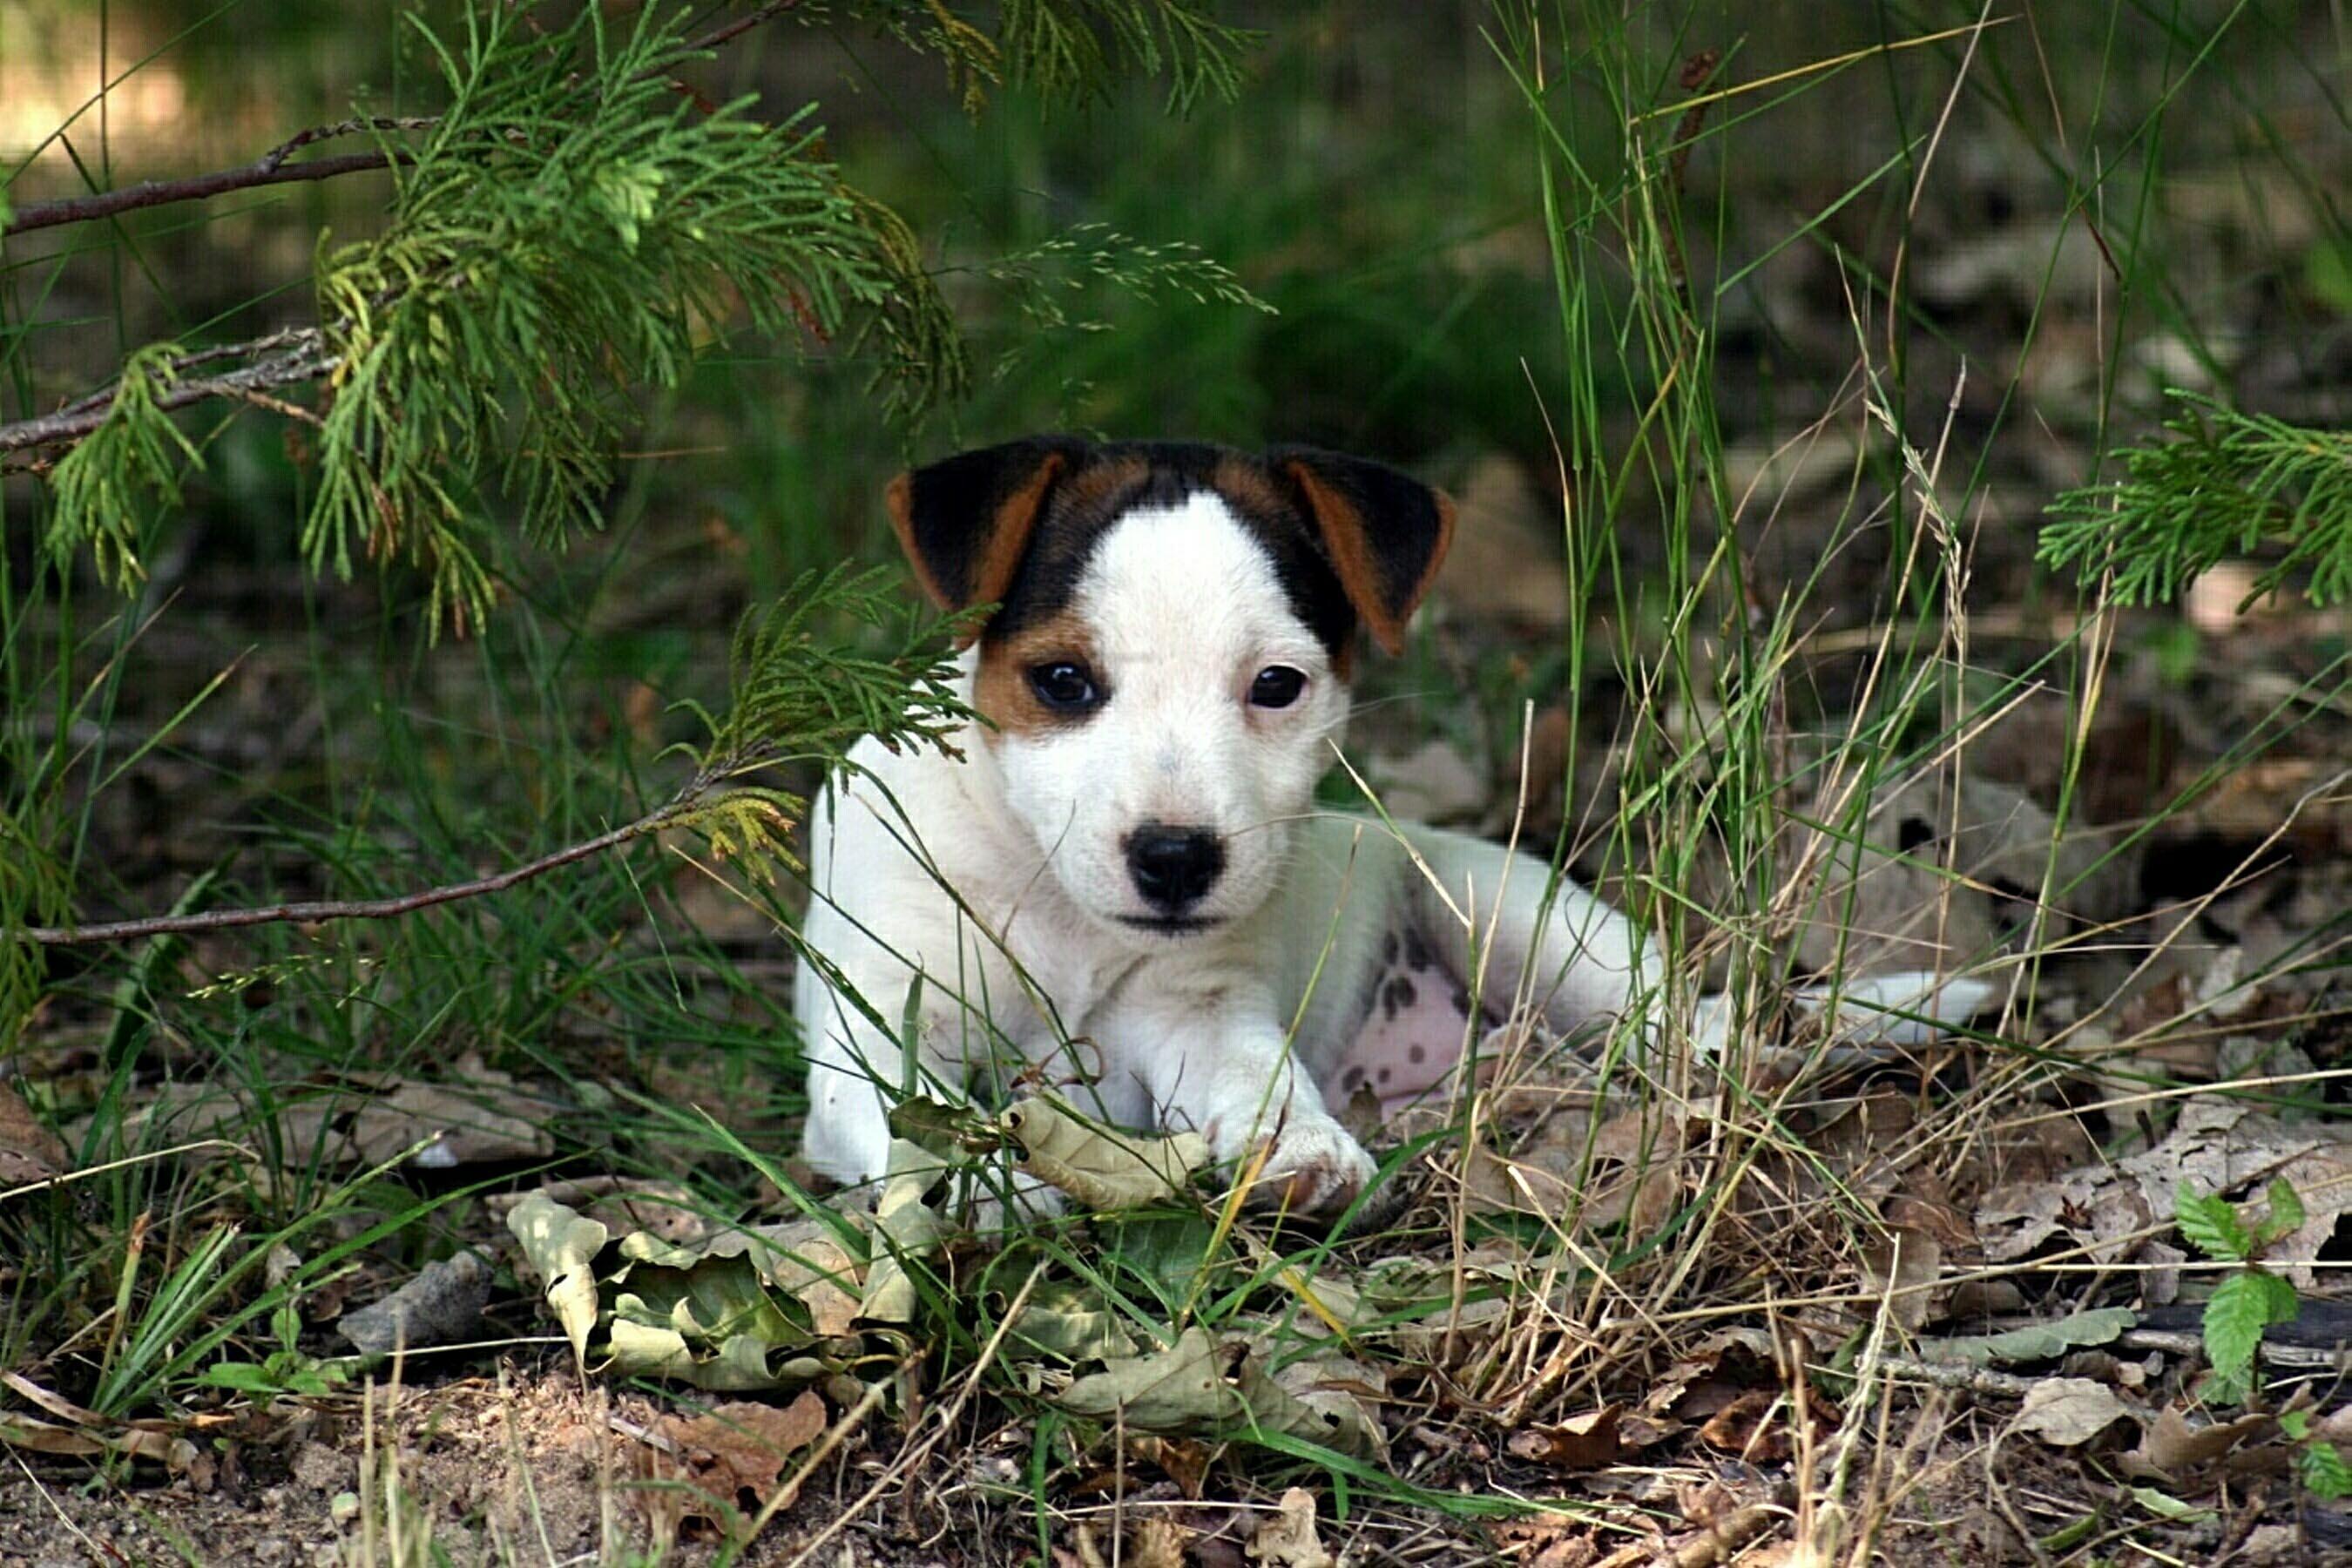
(1065, 685)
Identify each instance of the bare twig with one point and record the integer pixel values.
(285, 359)
(270, 168)
(362, 908)
(741, 25)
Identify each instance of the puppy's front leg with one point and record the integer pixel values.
(1217, 1061)
(850, 1062)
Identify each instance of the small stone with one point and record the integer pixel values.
(345, 1509)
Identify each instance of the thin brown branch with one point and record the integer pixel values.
(193, 187)
(272, 168)
(286, 359)
(360, 908)
(741, 25)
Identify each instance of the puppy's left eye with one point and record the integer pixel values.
(1276, 686)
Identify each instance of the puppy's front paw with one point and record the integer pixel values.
(1313, 1167)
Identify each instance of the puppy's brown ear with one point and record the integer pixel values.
(1385, 533)
(965, 522)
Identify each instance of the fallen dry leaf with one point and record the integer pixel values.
(1901, 1268)
(2031, 1341)
(2068, 1411)
(1631, 1171)
(2173, 1448)
(624, 1203)
(1754, 1426)
(1585, 1442)
(718, 1466)
(1101, 1167)
(1287, 1540)
(1550, 1541)
(1156, 1541)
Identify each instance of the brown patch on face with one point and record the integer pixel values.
(1001, 692)
(1348, 538)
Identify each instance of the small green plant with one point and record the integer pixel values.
(287, 1371)
(2319, 1462)
(2250, 1299)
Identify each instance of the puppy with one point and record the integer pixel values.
(1122, 871)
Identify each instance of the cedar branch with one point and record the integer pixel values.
(270, 168)
(282, 359)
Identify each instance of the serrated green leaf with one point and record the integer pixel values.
(2325, 1474)
(2279, 1301)
(2241, 1306)
(2286, 1213)
(2233, 1325)
(2210, 1224)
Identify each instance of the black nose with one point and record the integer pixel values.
(1173, 867)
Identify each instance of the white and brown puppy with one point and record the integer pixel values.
(1128, 852)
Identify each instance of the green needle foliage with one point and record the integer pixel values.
(2225, 483)
(126, 469)
(793, 697)
(575, 220)
(1071, 48)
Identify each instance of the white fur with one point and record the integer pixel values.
(1029, 954)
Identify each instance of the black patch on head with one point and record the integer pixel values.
(1402, 993)
(953, 520)
(1106, 482)
(1416, 952)
(1915, 832)
(1392, 529)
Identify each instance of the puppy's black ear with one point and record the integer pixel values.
(965, 522)
(1385, 533)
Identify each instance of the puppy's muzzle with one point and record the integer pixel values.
(1174, 868)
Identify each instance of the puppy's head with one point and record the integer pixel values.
(1170, 653)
